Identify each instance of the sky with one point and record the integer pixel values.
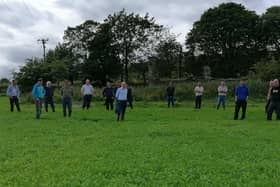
(23, 22)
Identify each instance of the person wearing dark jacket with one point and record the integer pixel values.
(241, 98)
(170, 94)
(274, 104)
(49, 97)
(108, 94)
(129, 97)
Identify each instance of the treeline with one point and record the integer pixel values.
(228, 41)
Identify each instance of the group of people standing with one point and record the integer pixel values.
(122, 94)
(241, 97)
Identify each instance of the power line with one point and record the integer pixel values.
(43, 41)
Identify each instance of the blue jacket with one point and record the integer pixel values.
(242, 92)
(38, 91)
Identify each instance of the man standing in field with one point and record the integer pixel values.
(121, 98)
(108, 94)
(241, 98)
(87, 91)
(198, 90)
(67, 94)
(268, 95)
(222, 93)
(274, 101)
(170, 94)
(38, 92)
(13, 93)
(49, 96)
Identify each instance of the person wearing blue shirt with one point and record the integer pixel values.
(241, 97)
(121, 98)
(38, 93)
(13, 93)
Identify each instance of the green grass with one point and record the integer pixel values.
(156, 146)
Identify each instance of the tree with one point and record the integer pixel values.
(228, 31)
(131, 32)
(271, 29)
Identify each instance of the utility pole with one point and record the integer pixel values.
(43, 42)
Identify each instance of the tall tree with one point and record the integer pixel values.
(228, 31)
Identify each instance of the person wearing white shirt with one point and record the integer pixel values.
(198, 90)
(87, 91)
(121, 98)
(13, 93)
(222, 94)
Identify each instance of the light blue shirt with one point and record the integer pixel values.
(38, 91)
(121, 94)
(13, 91)
(87, 89)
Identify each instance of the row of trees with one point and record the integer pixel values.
(229, 39)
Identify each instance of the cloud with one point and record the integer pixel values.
(22, 22)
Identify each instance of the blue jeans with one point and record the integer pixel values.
(170, 100)
(67, 104)
(38, 106)
(121, 109)
(221, 100)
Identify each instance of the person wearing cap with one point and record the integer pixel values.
(222, 94)
(13, 93)
(121, 98)
(49, 96)
(38, 93)
(108, 94)
(87, 91)
(241, 98)
(198, 90)
(67, 94)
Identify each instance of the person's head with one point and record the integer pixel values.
(199, 84)
(242, 82)
(123, 85)
(170, 83)
(223, 83)
(87, 81)
(48, 84)
(271, 83)
(276, 83)
(118, 83)
(40, 81)
(108, 84)
(67, 83)
(14, 82)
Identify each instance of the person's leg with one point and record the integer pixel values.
(118, 110)
(124, 103)
(277, 110)
(196, 102)
(130, 102)
(111, 102)
(17, 104)
(218, 103)
(11, 104)
(89, 97)
(244, 108)
(270, 109)
(172, 101)
(224, 102)
(64, 107)
(46, 104)
(267, 105)
(199, 102)
(69, 108)
(84, 102)
(168, 101)
(237, 108)
(107, 103)
(38, 108)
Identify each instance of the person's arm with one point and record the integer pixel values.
(34, 94)
(8, 91)
(269, 93)
(247, 94)
(236, 93)
(82, 90)
(117, 94)
(18, 92)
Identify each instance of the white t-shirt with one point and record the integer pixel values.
(198, 90)
(222, 90)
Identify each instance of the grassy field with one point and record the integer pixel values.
(156, 146)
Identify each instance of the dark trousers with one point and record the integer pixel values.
(38, 106)
(109, 103)
(273, 106)
(49, 101)
(221, 101)
(14, 101)
(130, 103)
(67, 104)
(121, 108)
(198, 100)
(240, 104)
(267, 105)
(87, 101)
(170, 101)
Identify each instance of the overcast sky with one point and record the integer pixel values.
(22, 22)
